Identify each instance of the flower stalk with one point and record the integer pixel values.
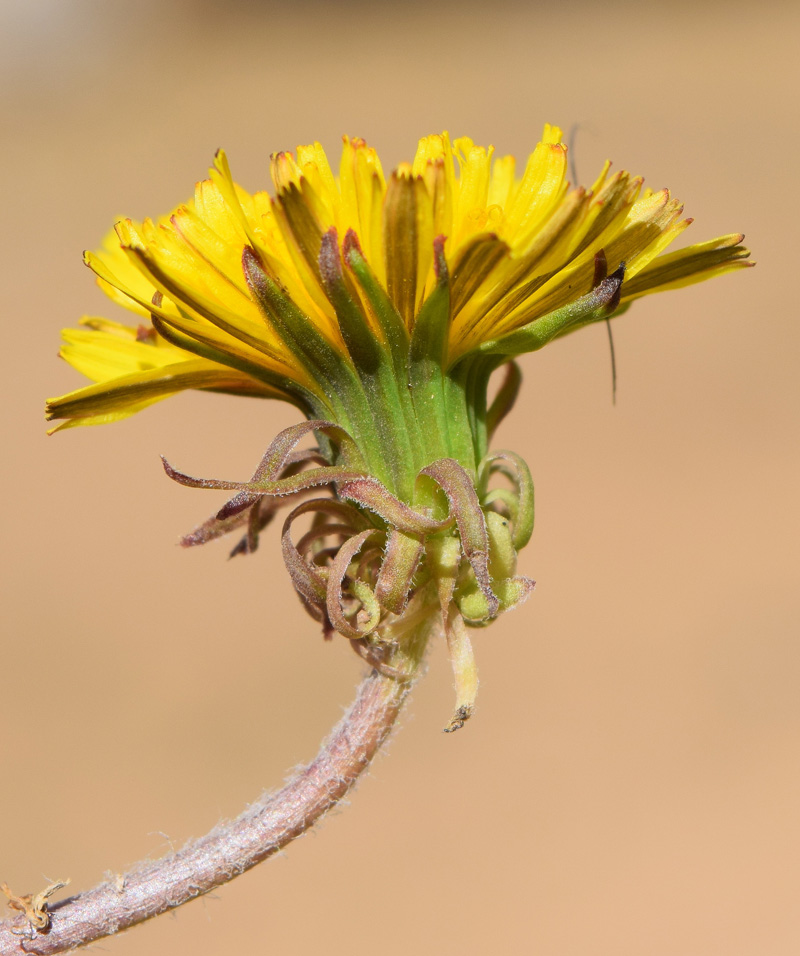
(267, 826)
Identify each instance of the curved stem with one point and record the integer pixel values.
(152, 888)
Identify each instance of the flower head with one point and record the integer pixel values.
(282, 296)
(380, 307)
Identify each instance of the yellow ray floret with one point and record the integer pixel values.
(260, 295)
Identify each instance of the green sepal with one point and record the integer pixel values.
(509, 589)
(465, 387)
(620, 310)
(279, 454)
(364, 348)
(473, 371)
(521, 504)
(371, 495)
(427, 358)
(327, 366)
(396, 576)
(310, 579)
(300, 336)
(457, 485)
(374, 365)
(391, 324)
(599, 304)
(337, 573)
(394, 333)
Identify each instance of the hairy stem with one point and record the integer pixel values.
(152, 888)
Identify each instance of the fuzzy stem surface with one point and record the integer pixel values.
(154, 887)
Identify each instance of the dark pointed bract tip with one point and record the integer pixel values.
(600, 267)
(254, 272)
(240, 548)
(237, 504)
(351, 245)
(439, 261)
(617, 277)
(249, 257)
(330, 264)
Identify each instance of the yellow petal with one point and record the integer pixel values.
(126, 394)
(687, 266)
(401, 242)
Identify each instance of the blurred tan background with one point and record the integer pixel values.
(630, 784)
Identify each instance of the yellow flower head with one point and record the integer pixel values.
(280, 296)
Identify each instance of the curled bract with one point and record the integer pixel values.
(367, 559)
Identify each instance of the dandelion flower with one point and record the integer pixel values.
(380, 307)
